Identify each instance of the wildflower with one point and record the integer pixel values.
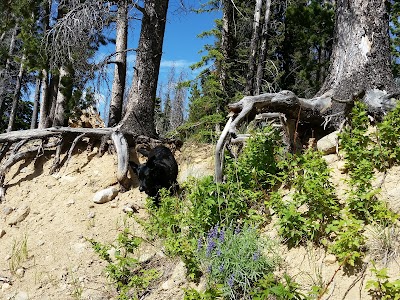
(213, 232)
(237, 230)
(231, 280)
(219, 252)
(256, 255)
(221, 268)
(221, 236)
(210, 247)
(199, 244)
(209, 269)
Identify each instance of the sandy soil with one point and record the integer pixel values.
(61, 263)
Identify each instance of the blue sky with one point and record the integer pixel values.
(180, 49)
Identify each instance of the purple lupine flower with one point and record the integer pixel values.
(237, 230)
(231, 280)
(199, 244)
(221, 268)
(210, 247)
(213, 232)
(219, 252)
(221, 235)
(256, 255)
(209, 269)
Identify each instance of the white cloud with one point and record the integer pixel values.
(180, 63)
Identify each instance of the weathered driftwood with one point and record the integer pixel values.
(324, 111)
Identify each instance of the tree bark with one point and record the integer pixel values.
(226, 40)
(36, 103)
(5, 73)
(44, 101)
(139, 116)
(62, 97)
(118, 86)
(263, 50)
(17, 94)
(361, 52)
(249, 89)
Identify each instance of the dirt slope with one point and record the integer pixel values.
(61, 215)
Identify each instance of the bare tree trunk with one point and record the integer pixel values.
(178, 104)
(36, 103)
(44, 102)
(17, 94)
(226, 40)
(4, 74)
(139, 117)
(118, 87)
(53, 91)
(249, 89)
(263, 49)
(361, 52)
(62, 97)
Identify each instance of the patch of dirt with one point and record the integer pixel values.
(60, 261)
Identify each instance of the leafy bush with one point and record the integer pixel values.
(382, 288)
(257, 163)
(349, 244)
(235, 258)
(314, 204)
(270, 287)
(123, 269)
(362, 156)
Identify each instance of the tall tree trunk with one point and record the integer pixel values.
(249, 89)
(361, 52)
(17, 94)
(36, 103)
(45, 93)
(226, 40)
(4, 74)
(52, 91)
(44, 100)
(263, 50)
(118, 87)
(63, 94)
(139, 116)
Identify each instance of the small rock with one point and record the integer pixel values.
(114, 205)
(127, 209)
(341, 165)
(105, 195)
(70, 202)
(5, 286)
(2, 233)
(330, 259)
(21, 296)
(130, 208)
(91, 215)
(20, 272)
(331, 158)
(7, 210)
(7, 257)
(20, 215)
(328, 143)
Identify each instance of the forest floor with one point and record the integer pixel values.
(46, 255)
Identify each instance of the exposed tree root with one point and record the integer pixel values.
(323, 111)
(19, 145)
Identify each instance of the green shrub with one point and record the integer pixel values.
(257, 163)
(314, 204)
(382, 288)
(269, 287)
(124, 270)
(236, 258)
